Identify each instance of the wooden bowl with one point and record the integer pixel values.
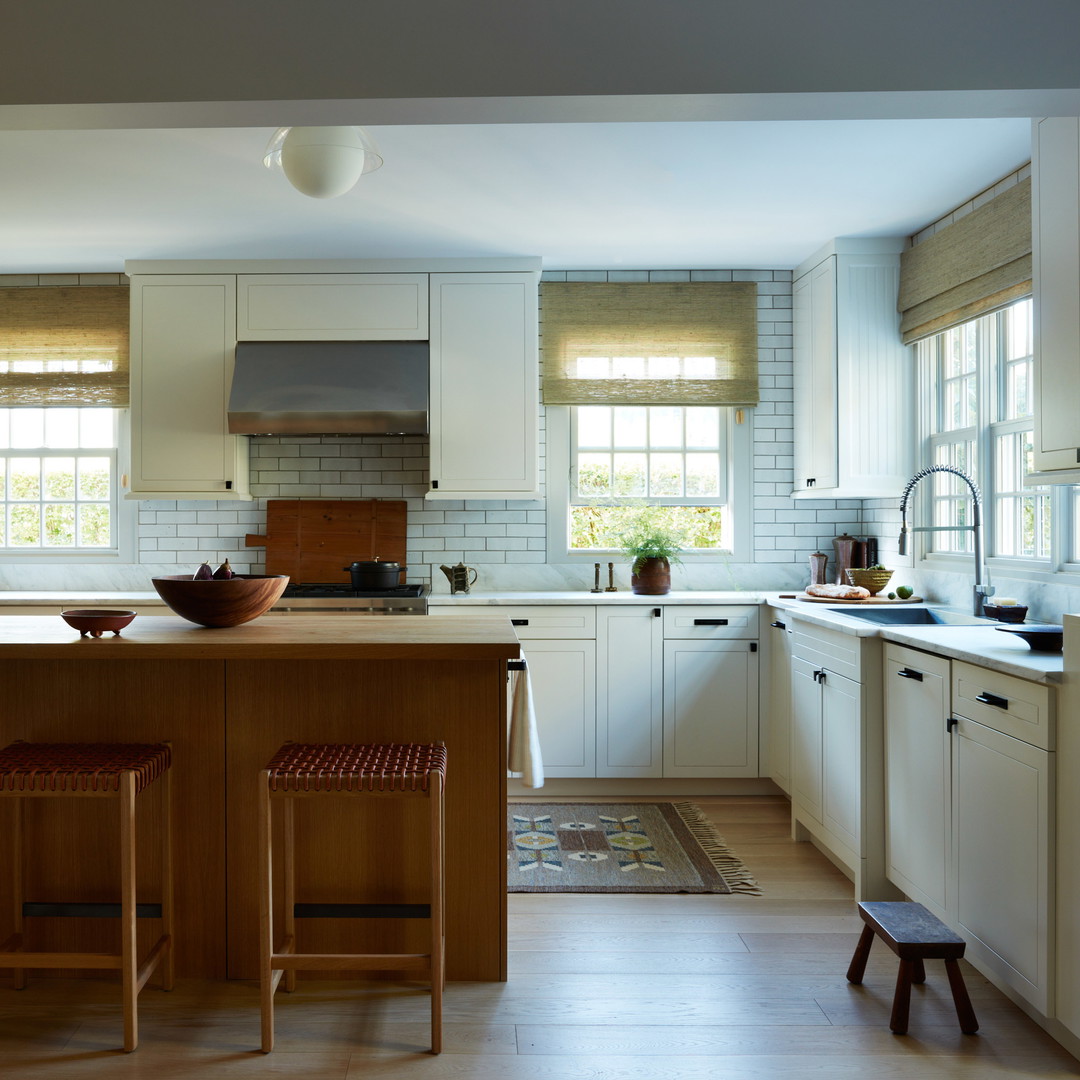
(871, 580)
(97, 621)
(230, 602)
(1010, 613)
(1041, 637)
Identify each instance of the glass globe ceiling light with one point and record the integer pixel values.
(322, 162)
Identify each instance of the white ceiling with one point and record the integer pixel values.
(589, 195)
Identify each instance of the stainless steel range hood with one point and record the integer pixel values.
(329, 388)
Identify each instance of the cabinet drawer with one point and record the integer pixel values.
(1015, 707)
(832, 649)
(710, 621)
(551, 622)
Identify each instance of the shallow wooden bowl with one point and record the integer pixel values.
(871, 580)
(235, 600)
(97, 621)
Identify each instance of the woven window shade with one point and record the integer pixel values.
(669, 343)
(64, 346)
(974, 266)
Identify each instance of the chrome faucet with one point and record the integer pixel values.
(981, 590)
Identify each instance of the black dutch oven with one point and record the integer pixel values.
(375, 574)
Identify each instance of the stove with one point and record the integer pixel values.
(338, 598)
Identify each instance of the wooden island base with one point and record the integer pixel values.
(227, 699)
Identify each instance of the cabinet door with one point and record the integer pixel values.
(629, 692)
(1002, 799)
(710, 708)
(917, 775)
(563, 679)
(778, 690)
(806, 738)
(1056, 271)
(841, 757)
(332, 307)
(183, 337)
(484, 386)
(815, 388)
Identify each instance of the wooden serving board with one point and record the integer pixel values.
(312, 540)
(867, 600)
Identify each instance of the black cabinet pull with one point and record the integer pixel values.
(992, 699)
(951, 723)
(519, 622)
(710, 622)
(819, 676)
(657, 612)
(778, 625)
(753, 646)
(910, 673)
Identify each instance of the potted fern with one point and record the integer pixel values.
(653, 544)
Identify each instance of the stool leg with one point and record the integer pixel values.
(964, 1012)
(862, 952)
(919, 970)
(18, 884)
(438, 964)
(288, 872)
(898, 1023)
(266, 915)
(129, 981)
(168, 971)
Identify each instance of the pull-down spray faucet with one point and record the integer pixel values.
(981, 590)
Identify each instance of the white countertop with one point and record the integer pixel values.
(622, 597)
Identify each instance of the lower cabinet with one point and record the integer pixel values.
(836, 752)
(776, 703)
(970, 781)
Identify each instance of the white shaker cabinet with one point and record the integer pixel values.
(183, 337)
(1056, 277)
(853, 377)
(629, 691)
(918, 781)
(776, 697)
(484, 386)
(332, 307)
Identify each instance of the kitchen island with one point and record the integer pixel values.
(226, 699)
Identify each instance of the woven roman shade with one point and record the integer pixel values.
(663, 343)
(978, 264)
(64, 346)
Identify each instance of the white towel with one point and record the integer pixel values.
(523, 755)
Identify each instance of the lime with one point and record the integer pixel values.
(903, 591)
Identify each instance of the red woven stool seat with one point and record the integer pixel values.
(33, 766)
(356, 766)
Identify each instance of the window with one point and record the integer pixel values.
(624, 456)
(59, 472)
(979, 419)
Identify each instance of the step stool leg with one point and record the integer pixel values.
(266, 916)
(862, 952)
(919, 974)
(898, 1022)
(964, 1012)
(129, 961)
(168, 883)
(438, 964)
(18, 886)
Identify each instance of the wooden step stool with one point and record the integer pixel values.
(382, 770)
(118, 771)
(915, 935)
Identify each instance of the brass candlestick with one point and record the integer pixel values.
(611, 578)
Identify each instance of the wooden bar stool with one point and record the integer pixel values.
(382, 770)
(914, 934)
(118, 771)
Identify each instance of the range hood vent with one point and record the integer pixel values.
(330, 388)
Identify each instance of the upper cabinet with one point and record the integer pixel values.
(332, 307)
(853, 377)
(183, 338)
(1055, 242)
(484, 386)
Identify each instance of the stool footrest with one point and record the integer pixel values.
(362, 911)
(32, 961)
(351, 962)
(86, 911)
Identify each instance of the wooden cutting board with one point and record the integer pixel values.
(864, 600)
(312, 540)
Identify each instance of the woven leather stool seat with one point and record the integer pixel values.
(356, 766)
(85, 767)
(115, 772)
(353, 771)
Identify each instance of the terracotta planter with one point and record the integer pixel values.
(651, 577)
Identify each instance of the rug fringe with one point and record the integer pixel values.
(729, 865)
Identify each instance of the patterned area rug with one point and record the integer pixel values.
(619, 848)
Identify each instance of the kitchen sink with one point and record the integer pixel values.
(911, 616)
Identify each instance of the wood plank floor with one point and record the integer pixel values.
(601, 988)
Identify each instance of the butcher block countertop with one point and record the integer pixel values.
(151, 637)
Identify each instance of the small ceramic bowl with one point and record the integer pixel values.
(97, 621)
(871, 580)
(1010, 613)
(1041, 637)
